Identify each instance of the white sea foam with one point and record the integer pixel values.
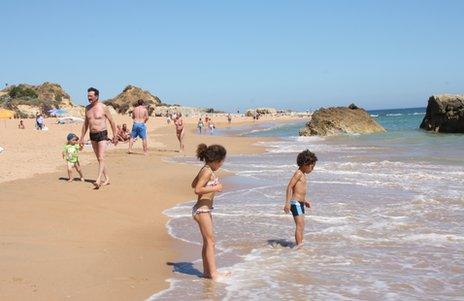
(435, 238)
(159, 295)
(374, 216)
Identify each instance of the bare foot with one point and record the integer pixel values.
(297, 247)
(220, 276)
(82, 180)
(107, 182)
(97, 184)
(129, 152)
(70, 180)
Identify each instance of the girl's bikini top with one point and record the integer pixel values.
(214, 180)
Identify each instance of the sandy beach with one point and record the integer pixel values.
(66, 241)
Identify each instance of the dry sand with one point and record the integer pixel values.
(66, 241)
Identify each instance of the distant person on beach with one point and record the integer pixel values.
(21, 125)
(200, 125)
(96, 115)
(229, 118)
(123, 133)
(139, 128)
(206, 184)
(212, 127)
(296, 200)
(40, 122)
(180, 131)
(71, 155)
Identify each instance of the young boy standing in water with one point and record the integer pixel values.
(296, 193)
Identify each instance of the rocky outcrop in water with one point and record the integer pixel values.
(445, 114)
(341, 120)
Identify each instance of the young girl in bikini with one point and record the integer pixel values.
(206, 184)
(179, 123)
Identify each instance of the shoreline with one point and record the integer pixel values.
(46, 224)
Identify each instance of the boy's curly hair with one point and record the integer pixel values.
(212, 153)
(306, 157)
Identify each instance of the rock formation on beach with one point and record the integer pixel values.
(125, 101)
(341, 120)
(445, 114)
(166, 110)
(261, 111)
(26, 100)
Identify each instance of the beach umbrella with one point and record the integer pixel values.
(57, 112)
(6, 114)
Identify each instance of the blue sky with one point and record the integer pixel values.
(239, 54)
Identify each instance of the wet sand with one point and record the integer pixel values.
(66, 241)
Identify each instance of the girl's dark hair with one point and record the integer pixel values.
(306, 157)
(212, 153)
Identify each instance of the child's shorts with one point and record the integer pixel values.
(297, 208)
(72, 164)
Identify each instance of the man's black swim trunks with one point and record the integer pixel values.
(99, 136)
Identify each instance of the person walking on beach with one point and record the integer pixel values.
(200, 125)
(39, 121)
(206, 184)
(139, 128)
(71, 155)
(96, 115)
(180, 131)
(296, 200)
(229, 118)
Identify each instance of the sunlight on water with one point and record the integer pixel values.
(386, 222)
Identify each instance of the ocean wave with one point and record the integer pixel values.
(262, 130)
(374, 115)
(394, 114)
(434, 238)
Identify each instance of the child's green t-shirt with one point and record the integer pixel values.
(71, 152)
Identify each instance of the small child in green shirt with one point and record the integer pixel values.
(70, 154)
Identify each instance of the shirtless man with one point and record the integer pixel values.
(179, 123)
(96, 114)
(139, 128)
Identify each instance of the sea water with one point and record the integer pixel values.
(386, 223)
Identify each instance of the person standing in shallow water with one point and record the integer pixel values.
(206, 184)
(296, 201)
(96, 115)
(139, 128)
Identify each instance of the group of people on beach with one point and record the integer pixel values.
(205, 184)
(96, 116)
(39, 123)
(207, 126)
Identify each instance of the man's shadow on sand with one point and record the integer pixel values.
(186, 268)
(77, 179)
